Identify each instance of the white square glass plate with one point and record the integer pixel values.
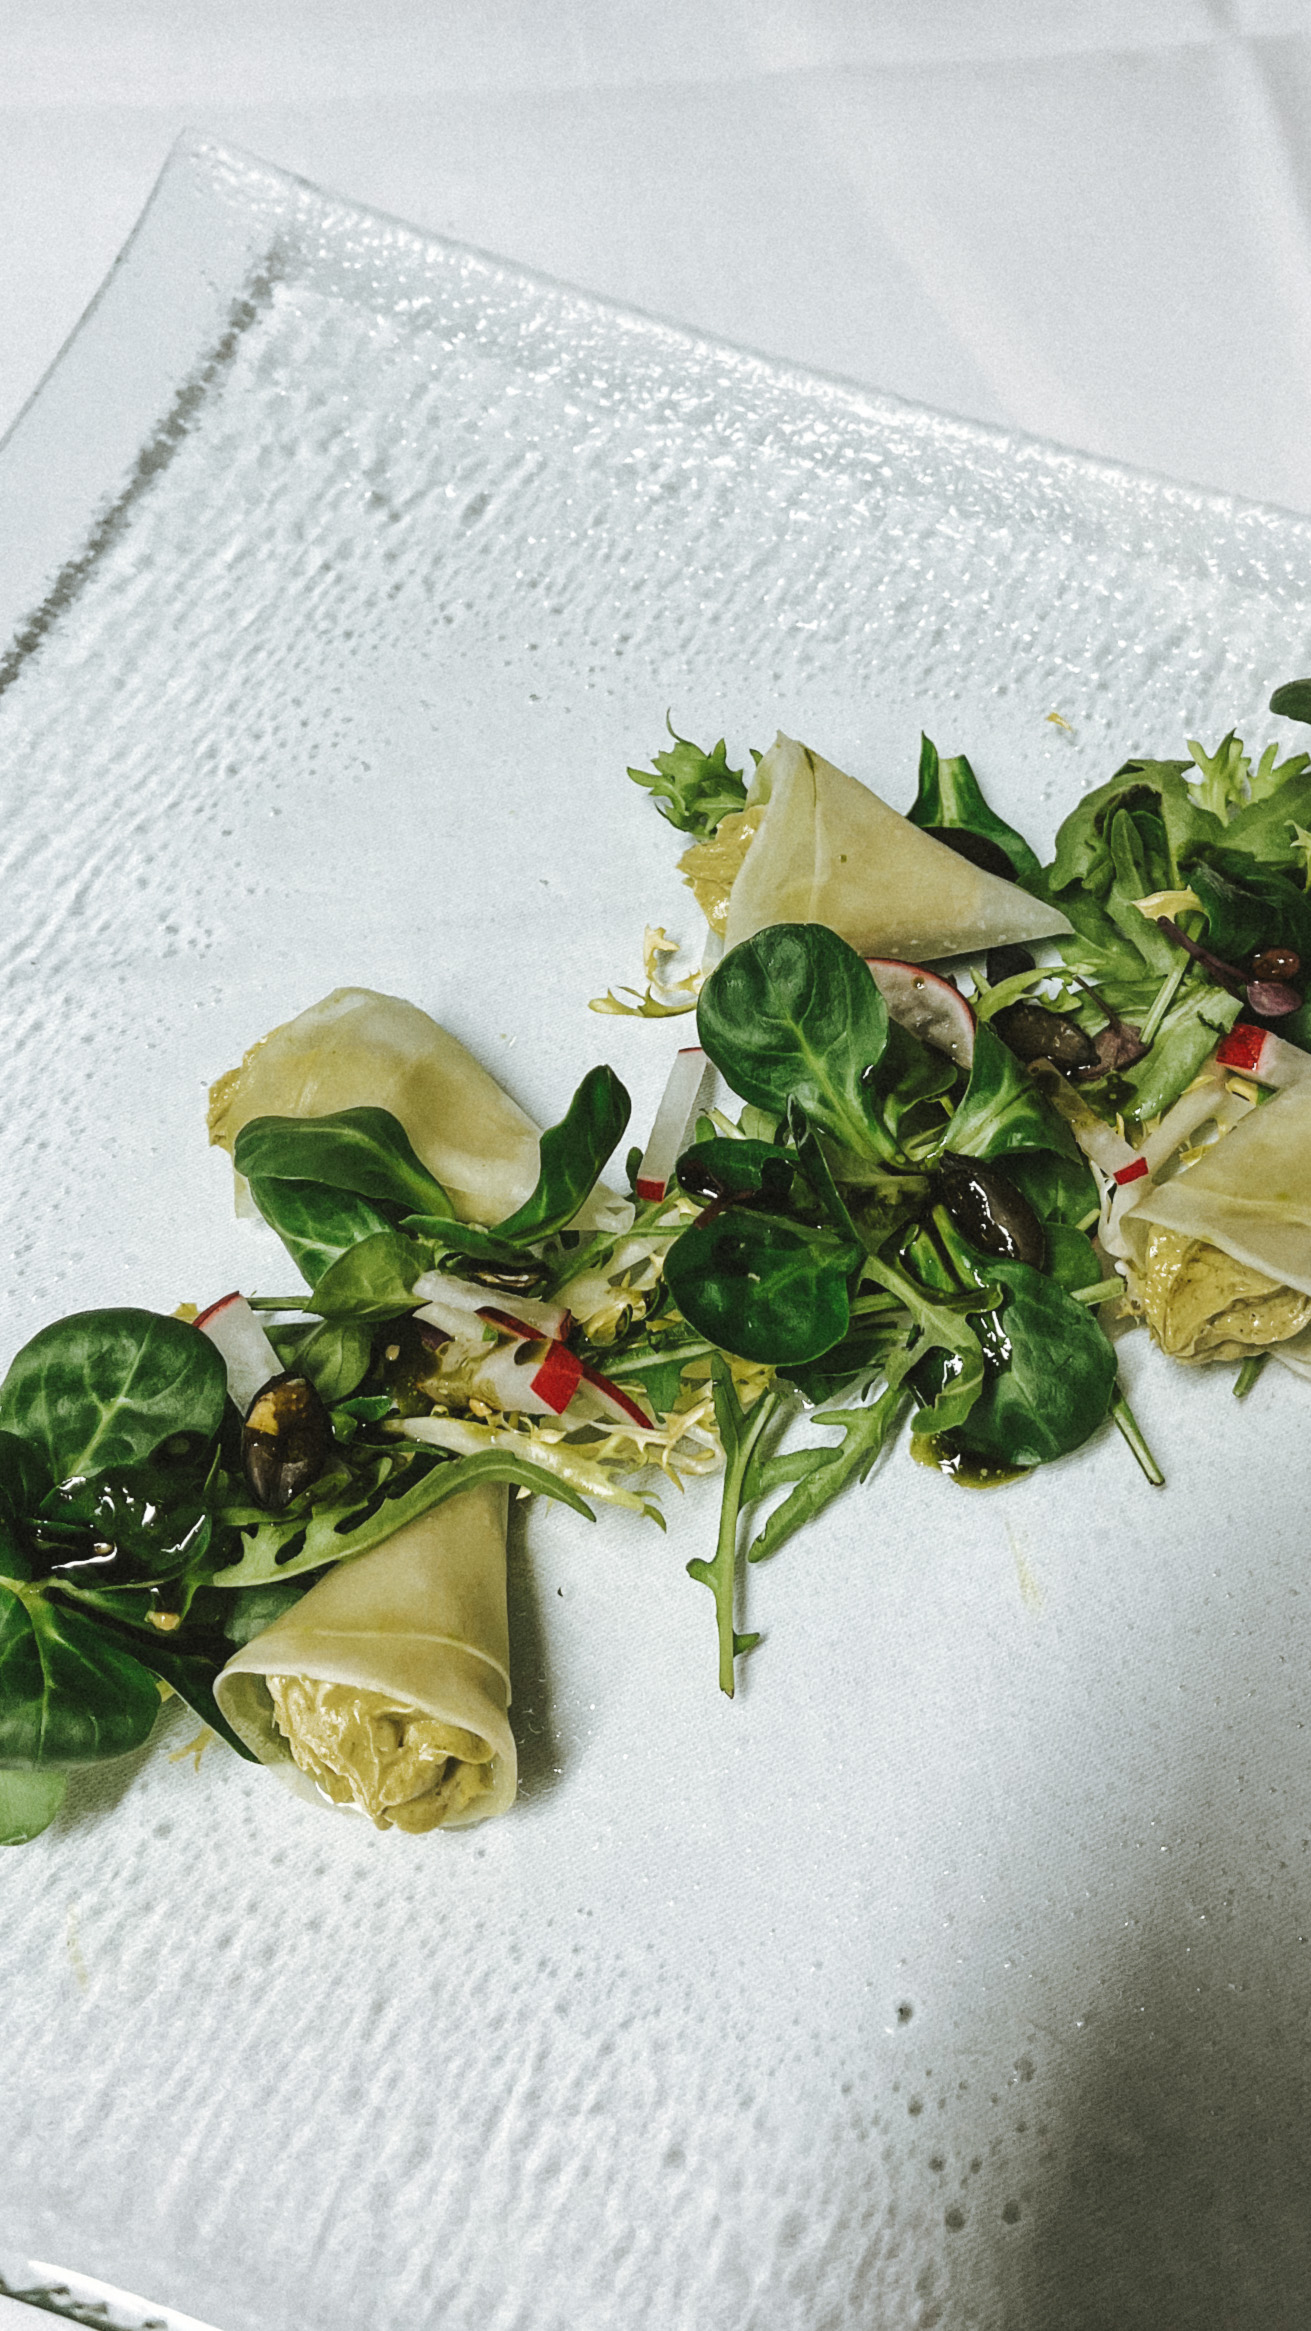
(957, 1973)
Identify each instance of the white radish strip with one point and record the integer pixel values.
(528, 1379)
(686, 1094)
(1268, 1059)
(1188, 1115)
(928, 1005)
(548, 1319)
(248, 1355)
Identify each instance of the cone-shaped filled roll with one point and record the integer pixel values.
(824, 849)
(1250, 1194)
(358, 1050)
(392, 1675)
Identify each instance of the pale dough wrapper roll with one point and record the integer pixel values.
(358, 1050)
(1250, 1194)
(827, 850)
(393, 1674)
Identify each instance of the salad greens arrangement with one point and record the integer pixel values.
(884, 1230)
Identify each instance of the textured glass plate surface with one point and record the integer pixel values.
(956, 1974)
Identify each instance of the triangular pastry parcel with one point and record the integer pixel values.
(388, 1683)
(821, 848)
(361, 1050)
(1250, 1193)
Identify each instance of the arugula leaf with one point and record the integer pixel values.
(692, 789)
(793, 1013)
(68, 1693)
(108, 1388)
(817, 1474)
(950, 795)
(740, 1432)
(333, 1533)
(573, 1154)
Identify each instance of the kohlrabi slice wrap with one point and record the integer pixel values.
(357, 1049)
(1250, 1194)
(814, 846)
(388, 1683)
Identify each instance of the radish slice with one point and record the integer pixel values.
(529, 1379)
(1266, 1058)
(687, 1092)
(531, 1316)
(247, 1353)
(928, 1005)
(616, 1404)
(558, 1378)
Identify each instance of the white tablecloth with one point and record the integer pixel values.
(1088, 217)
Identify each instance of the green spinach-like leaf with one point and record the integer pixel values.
(374, 1280)
(68, 1693)
(573, 1154)
(761, 1286)
(793, 1013)
(366, 1152)
(29, 1801)
(317, 1226)
(950, 795)
(108, 1388)
(1002, 1109)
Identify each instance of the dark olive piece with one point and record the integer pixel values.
(697, 1179)
(1278, 963)
(1008, 963)
(1033, 1033)
(980, 849)
(517, 1278)
(989, 1211)
(285, 1442)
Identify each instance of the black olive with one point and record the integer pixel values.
(980, 849)
(989, 1211)
(1008, 963)
(1033, 1033)
(285, 1442)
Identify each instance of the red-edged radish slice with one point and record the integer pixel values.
(1133, 1172)
(1104, 1147)
(528, 1379)
(558, 1378)
(451, 1294)
(929, 1006)
(248, 1355)
(687, 1092)
(1268, 1059)
(617, 1405)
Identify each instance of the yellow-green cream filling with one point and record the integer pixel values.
(1201, 1304)
(404, 1769)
